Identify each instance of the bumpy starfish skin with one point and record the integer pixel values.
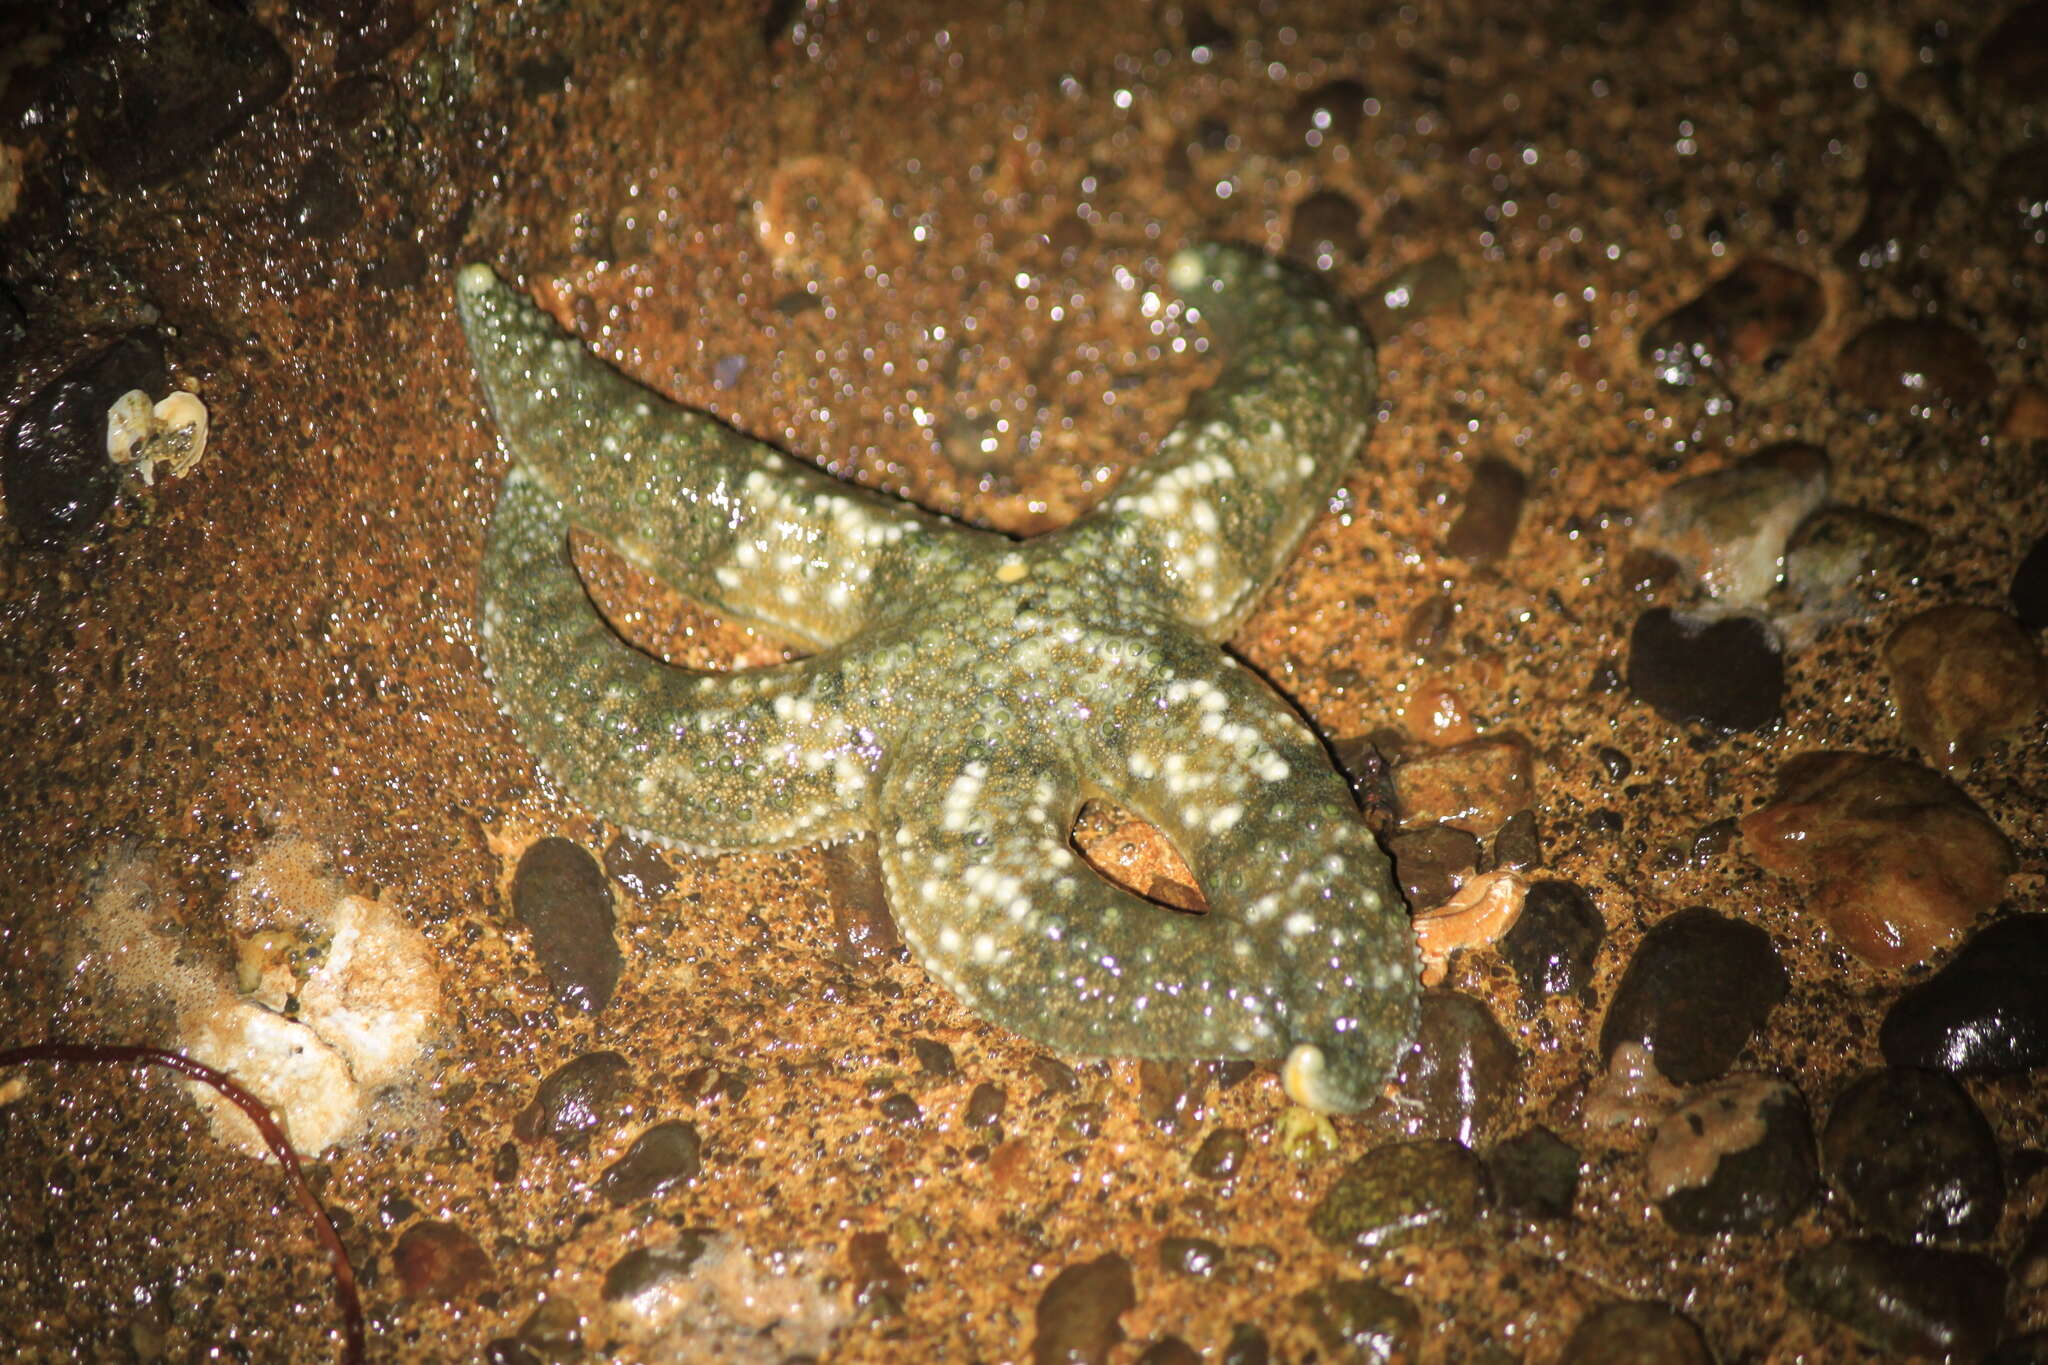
(968, 692)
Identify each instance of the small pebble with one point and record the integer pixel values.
(1552, 945)
(1434, 284)
(1751, 319)
(1170, 1351)
(879, 1281)
(1361, 1320)
(1402, 1194)
(578, 1098)
(1725, 673)
(1636, 1334)
(639, 868)
(934, 1058)
(1535, 1174)
(1897, 363)
(1054, 1075)
(1914, 1156)
(1834, 550)
(1961, 678)
(1221, 1154)
(2029, 590)
(440, 1261)
(651, 1270)
(1728, 529)
(1915, 1301)
(560, 894)
(661, 1158)
(985, 1106)
(1493, 509)
(1247, 1346)
(1474, 786)
(1906, 174)
(1697, 990)
(1324, 231)
(54, 467)
(1895, 858)
(1076, 1316)
(1432, 862)
(1170, 1093)
(1333, 112)
(323, 203)
(1190, 1256)
(1462, 1078)
(1517, 845)
(1735, 1158)
(1986, 1012)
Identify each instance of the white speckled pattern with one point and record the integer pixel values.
(969, 692)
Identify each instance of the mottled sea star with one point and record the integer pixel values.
(967, 692)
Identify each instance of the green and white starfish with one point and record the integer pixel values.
(967, 692)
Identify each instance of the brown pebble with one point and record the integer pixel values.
(1475, 786)
(1961, 678)
(1493, 508)
(438, 1260)
(1076, 1317)
(1324, 230)
(1913, 363)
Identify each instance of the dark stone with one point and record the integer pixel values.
(559, 893)
(1535, 1174)
(1636, 1334)
(2029, 590)
(1170, 1351)
(639, 868)
(440, 1261)
(400, 264)
(1914, 362)
(1752, 1189)
(1362, 1320)
(1726, 529)
(1906, 173)
(1221, 1154)
(1914, 1157)
(1493, 508)
(1725, 674)
(1614, 762)
(1247, 1346)
(1332, 112)
(1190, 1256)
(1986, 1012)
(900, 1108)
(55, 469)
(860, 906)
(577, 1099)
(1076, 1317)
(1697, 990)
(985, 1106)
(1324, 230)
(934, 1057)
(1518, 844)
(664, 1156)
(650, 1268)
(324, 203)
(1427, 631)
(1462, 1077)
(1055, 1075)
(880, 1284)
(1753, 318)
(1170, 1093)
(1432, 862)
(1904, 1300)
(1359, 758)
(1400, 1194)
(1552, 945)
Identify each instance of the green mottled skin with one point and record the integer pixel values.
(968, 692)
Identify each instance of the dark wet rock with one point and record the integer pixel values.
(1914, 1156)
(1636, 1334)
(1906, 173)
(934, 1058)
(1962, 677)
(1333, 112)
(1170, 1093)
(1055, 1075)
(2012, 61)
(1904, 1300)
(880, 1284)
(1357, 1321)
(1474, 786)
(1735, 1158)
(1190, 1256)
(1432, 862)
(1728, 529)
(1427, 631)
(1711, 840)
(661, 1158)
(860, 906)
(1751, 319)
(1363, 764)
(1462, 1077)
(560, 895)
(1324, 230)
(578, 1098)
(985, 1106)
(638, 867)
(1493, 508)
(1986, 1012)
(1896, 858)
(1697, 990)
(55, 470)
(1552, 944)
(1535, 1175)
(1913, 362)
(1838, 546)
(1401, 1194)
(1724, 673)
(1434, 284)
(1247, 1346)
(365, 30)
(323, 204)
(652, 1269)
(901, 1108)
(1170, 1351)
(2030, 588)
(2019, 194)
(160, 83)
(1221, 1154)
(438, 1260)
(1615, 763)
(1077, 1315)
(1517, 845)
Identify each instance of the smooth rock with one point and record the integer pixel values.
(1076, 1316)
(1552, 945)
(1898, 363)
(638, 867)
(1432, 862)
(54, 467)
(1197, 1256)
(1697, 990)
(588, 1093)
(1493, 509)
(1324, 231)
(1474, 786)
(1169, 1350)
(1962, 677)
(1894, 857)
(860, 906)
(560, 894)
(1837, 548)
(1725, 673)
(1750, 320)
(666, 1155)
(1358, 1321)
(1402, 1194)
(441, 1261)
(1636, 1334)
(1221, 1154)
(1735, 1158)
(985, 1106)
(650, 1270)
(1434, 284)
(1517, 845)
(1904, 1300)
(1728, 529)
(1914, 1156)
(1535, 1174)
(1986, 1012)
(1462, 1077)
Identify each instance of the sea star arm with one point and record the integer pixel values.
(1211, 518)
(708, 510)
